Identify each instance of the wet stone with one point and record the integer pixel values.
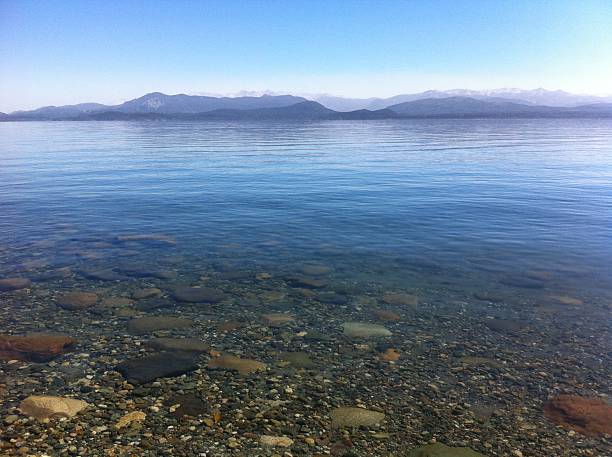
(346, 417)
(148, 292)
(523, 282)
(49, 407)
(364, 330)
(401, 299)
(187, 405)
(386, 315)
(8, 284)
(77, 300)
(179, 344)
(589, 416)
(152, 304)
(149, 324)
(232, 363)
(505, 325)
(306, 282)
(333, 298)
(35, 347)
(277, 319)
(103, 275)
(441, 450)
(298, 359)
(163, 365)
(315, 269)
(198, 294)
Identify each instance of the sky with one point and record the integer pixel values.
(65, 51)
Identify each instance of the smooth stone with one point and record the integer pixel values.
(187, 405)
(152, 367)
(157, 237)
(144, 271)
(77, 300)
(364, 330)
(479, 361)
(355, 417)
(307, 283)
(315, 335)
(151, 304)
(232, 363)
(505, 325)
(130, 418)
(333, 298)
(179, 344)
(315, 270)
(277, 319)
(565, 300)
(103, 275)
(298, 359)
(116, 302)
(441, 450)
(35, 347)
(198, 294)
(401, 299)
(149, 324)
(148, 292)
(277, 441)
(386, 315)
(589, 416)
(48, 407)
(9, 284)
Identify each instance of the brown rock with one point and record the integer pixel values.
(130, 418)
(589, 416)
(34, 348)
(116, 302)
(565, 300)
(9, 284)
(277, 319)
(390, 355)
(401, 299)
(46, 407)
(198, 294)
(77, 300)
(179, 344)
(313, 269)
(386, 315)
(229, 326)
(148, 292)
(232, 363)
(148, 324)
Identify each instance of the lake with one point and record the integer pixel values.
(482, 247)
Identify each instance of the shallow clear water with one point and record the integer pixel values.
(482, 246)
(496, 195)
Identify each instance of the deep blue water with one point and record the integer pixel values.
(466, 197)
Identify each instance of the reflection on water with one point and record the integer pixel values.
(450, 277)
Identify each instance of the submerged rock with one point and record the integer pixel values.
(401, 299)
(149, 324)
(306, 282)
(298, 359)
(232, 363)
(130, 418)
(77, 300)
(565, 300)
(277, 319)
(148, 292)
(505, 325)
(313, 269)
(179, 344)
(187, 405)
(9, 284)
(280, 441)
(479, 361)
(589, 416)
(34, 348)
(48, 407)
(103, 275)
(441, 450)
(198, 294)
(386, 315)
(158, 237)
(364, 330)
(164, 365)
(355, 417)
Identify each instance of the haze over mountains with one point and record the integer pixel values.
(456, 103)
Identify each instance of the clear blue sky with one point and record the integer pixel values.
(64, 51)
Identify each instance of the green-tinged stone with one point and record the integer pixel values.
(441, 450)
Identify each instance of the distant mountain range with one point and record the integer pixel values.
(430, 104)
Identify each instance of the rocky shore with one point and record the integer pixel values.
(131, 345)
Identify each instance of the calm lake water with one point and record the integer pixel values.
(469, 195)
(449, 276)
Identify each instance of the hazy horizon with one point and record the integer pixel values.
(108, 52)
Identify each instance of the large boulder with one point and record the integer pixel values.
(9, 284)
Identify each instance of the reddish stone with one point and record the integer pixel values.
(589, 416)
(34, 348)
